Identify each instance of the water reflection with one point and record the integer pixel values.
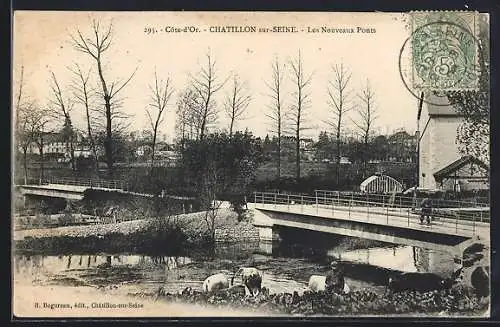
(282, 273)
(401, 258)
(36, 265)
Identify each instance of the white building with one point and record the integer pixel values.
(440, 163)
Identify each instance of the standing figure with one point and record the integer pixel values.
(335, 281)
(426, 211)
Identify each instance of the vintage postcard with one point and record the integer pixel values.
(240, 164)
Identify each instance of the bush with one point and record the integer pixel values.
(67, 219)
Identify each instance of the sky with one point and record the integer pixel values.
(42, 44)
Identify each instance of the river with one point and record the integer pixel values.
(284, 271)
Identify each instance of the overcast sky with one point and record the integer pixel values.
(42, 43)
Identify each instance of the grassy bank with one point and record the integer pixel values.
(167, 235)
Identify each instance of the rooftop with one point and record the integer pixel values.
(439, 105)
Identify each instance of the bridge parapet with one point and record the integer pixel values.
(470, 222)
(86, 182)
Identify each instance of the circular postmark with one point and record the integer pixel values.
(443, 59)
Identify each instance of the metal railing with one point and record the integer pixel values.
(362, 208)
(89, 182)
(400, 200)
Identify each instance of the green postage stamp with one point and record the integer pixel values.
(445, 50)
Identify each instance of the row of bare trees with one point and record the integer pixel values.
(340, 102)
(99, 97)
(197, 109)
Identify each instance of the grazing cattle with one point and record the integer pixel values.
(215, 282)
(251, 278)
(480, 280)
(419, 282)
(319, 283)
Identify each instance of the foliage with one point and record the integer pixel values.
(473, 133)
(220, 164)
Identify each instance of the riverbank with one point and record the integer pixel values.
(226, 225)
(175, 284)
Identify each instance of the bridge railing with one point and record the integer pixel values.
(355, 208)
(399, 200)
(89, 182)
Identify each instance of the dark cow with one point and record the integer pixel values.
(419, 282)
(480, 280)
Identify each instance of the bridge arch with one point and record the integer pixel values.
(381, 184)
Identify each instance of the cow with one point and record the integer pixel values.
(480, 280)
(318, 283)
(251, 278)
(418, 282)
(215, 283)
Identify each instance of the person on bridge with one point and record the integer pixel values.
(426, 212)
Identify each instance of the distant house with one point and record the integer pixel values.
(306, 144)
(83, 151)
(440, 163)
(143, 150)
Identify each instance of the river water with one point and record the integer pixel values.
(128, 273)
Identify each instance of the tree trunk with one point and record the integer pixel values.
(91, 140)
(339, 152)
(297, 152)
(72, 153)
(279, 153)
(231, 127)
(42, 159)
(108, 142)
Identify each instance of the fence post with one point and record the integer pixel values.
(474, 224)
(408, 216)
(350, 204)
(338, 198)
(301, 203)
(274, 200)
(387, 214)
(288, 201)
(367, 211)
(481, 214)
(316, 197)
(255, 197)
(456, 224)
(400, 204)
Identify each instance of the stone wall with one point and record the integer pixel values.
(243, 231)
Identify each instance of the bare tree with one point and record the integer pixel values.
(161, 92)
(367, 114)
(95, 46)
(276, 114)
(83, 94)
(206, 84)
(210, 187)
(28, 128)
(19, 98)
(41, 118)
(302, 101)
(61, 108)
(182, 123)
(339, 104)
(24, 129)
(237, 102)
